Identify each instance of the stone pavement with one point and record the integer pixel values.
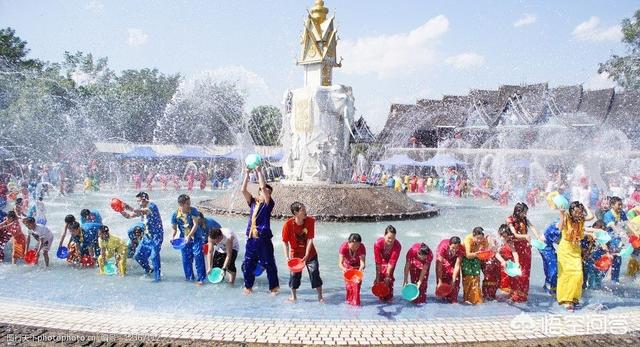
(102, 327)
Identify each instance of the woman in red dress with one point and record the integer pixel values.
(520, 226)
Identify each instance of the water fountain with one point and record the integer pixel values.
(317, 123)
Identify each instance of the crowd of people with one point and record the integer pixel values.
(478, 263)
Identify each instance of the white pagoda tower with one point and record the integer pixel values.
(317, 118)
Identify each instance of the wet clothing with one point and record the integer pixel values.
(520, 284)
(80, 245)
(415, 268)
(42, 233)
(113, 247)
(259, 246)
(610, 219)
(149, 247)
(351, 260)
(506, 252)
(209, 223)
(313, 267)
(19, 240)
(133, 241)
(549, 257)
(5, 236)
(227, 234)
(471, 269)
(95, 217)
(570, 274)
(592, 276)
(386, 257)
(491, 278)
(297, 236)
(89, 238)
(192, 251)
(448, 260)
(219, 259)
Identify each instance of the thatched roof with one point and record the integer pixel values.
(565, 99)
(625, 112)
(395, 128)
(486, 105)
(523, 106)
(528, 101)
(454, 111)
(595, 104)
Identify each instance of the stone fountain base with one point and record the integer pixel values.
(335, 203)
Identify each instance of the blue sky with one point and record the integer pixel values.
(394, 51)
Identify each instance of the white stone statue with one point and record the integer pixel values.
(317, 118)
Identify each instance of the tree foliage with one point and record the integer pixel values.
(53, 109)
(203, 111)
(625, 70)
(264, 125)
(13, 50)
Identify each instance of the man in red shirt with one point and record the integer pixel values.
(297, 236)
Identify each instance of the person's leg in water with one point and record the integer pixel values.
(187, 261)
(142, 254)
(155, 259)
(249, 264)
(198, 257)
(268, 261)
(313, 267)
(294, 284)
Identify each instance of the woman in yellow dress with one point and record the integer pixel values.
(569, 289)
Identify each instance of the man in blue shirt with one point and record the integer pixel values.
(186, 219)
(259, 246)
(614, 220)
(149, 248)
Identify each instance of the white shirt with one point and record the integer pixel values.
(221, 247)
(43, 232)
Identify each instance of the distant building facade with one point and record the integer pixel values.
(527, 113)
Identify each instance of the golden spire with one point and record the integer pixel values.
(319, 12)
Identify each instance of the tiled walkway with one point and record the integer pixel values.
(141, 327)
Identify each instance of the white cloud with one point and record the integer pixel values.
(398, 54)
(94, 6)
(599, 81)
(136, 37)
(591, 30)
(252, 85)
(465, 60)
(527, 19)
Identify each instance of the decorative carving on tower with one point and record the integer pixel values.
(318, 46)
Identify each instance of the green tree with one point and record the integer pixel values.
(625, 70)
(125, 106)
(143, 96)
(203, 111)
(265, 123)
(13, 50)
